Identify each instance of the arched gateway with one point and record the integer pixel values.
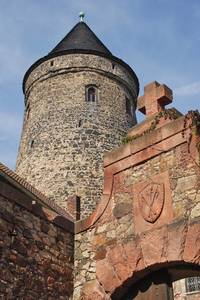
(159, 284)
(145, 233)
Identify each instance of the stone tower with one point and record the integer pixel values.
(79, 102)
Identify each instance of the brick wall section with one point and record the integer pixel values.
(36, 255)
(64, 137)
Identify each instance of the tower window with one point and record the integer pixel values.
(32, 143)
(27, 111)
(91, 94)
(79, 123)
(129, 109)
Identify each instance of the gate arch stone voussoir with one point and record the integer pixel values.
(176, 243)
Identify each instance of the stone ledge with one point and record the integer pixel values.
(62, 71)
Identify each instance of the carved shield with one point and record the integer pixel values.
(151, 201)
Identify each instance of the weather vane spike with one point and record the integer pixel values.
(81, 16)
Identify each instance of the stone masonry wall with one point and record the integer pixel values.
(64, 137)
(122, 244)
(36, 256)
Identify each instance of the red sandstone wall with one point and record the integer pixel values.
(125, 239)
(36, 256)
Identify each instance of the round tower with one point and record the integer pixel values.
(79, 102)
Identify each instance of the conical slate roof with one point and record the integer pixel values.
(81, 37)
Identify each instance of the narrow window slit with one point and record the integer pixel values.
(32, 143)
(27, 112)
(128, 107)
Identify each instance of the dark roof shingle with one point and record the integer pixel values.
(81, 37)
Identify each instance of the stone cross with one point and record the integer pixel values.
(156, 97)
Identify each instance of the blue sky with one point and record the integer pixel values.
(159, 39)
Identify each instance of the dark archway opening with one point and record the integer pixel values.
(155, 284)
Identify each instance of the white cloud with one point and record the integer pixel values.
(188, 90)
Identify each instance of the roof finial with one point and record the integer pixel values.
(81, 16)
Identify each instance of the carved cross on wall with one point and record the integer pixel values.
(156, 97)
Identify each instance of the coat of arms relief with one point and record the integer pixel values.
(151, 201)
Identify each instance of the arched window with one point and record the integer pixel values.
(91, 94)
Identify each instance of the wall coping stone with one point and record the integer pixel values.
(144, 141)
(146, 123)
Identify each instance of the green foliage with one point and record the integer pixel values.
(192, 121)
(166, 114)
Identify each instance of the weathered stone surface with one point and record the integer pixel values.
(192, 244)
(92, 290)
(176, 240)
(106, 275)
(186, 183)
(100, 253)
(117, 258)
(121, 210)
(154, 246)
(195, 212)
(134, 255)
